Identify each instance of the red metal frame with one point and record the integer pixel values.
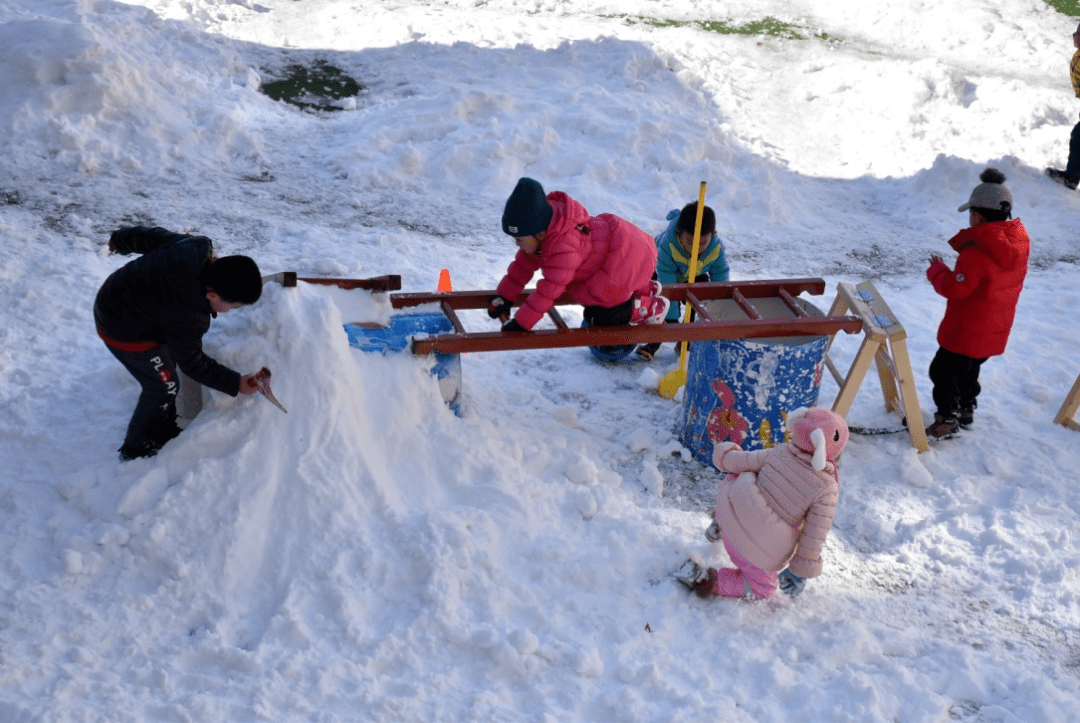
(288, 279)
(705, 328)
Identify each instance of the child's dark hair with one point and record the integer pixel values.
(991, 215)
(688, 218)
(236, 279)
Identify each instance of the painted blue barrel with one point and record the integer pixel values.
(741, 390)
(395, 337)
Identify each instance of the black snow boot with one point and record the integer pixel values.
(1061, 177)
(943, 427)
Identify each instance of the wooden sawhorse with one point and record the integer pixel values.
(885, 343)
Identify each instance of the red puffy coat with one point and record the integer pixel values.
(984, 288)
(598, 260)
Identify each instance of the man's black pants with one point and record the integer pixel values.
(153, 423)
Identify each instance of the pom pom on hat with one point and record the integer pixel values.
(991, 194)
(527, 211)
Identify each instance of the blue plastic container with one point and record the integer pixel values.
(741, 390)
(396, 337)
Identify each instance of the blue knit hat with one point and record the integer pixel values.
(527, 211)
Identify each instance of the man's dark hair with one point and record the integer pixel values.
(688, 218)
(236, 279)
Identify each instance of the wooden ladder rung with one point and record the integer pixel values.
(831, 366)
(453, 317)
(557, 319)
(790, 302)
(745, 305)
(695, 302)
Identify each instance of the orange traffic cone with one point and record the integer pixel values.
(444, 282)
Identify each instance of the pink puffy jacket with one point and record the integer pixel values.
(598, 260)
(784, 512)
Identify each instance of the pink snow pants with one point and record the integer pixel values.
(748, 578)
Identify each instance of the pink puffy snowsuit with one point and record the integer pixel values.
(780, 506)
(598, 260)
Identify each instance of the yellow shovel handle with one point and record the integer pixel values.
(694, 252)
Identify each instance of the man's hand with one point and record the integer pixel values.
(935, 259)
(248, 385)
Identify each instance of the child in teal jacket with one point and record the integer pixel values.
(674, 247)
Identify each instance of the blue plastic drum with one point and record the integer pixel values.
(741, 390)
(396, 337)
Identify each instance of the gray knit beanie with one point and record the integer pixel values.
(991, 194)
(527, 211)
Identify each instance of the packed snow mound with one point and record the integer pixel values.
(79, 85)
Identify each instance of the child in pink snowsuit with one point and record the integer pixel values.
(605, 263)
(775, 509)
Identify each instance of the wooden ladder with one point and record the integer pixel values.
(704, 328)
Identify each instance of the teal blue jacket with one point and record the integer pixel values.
(673, 264)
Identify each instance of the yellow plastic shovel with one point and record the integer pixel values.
(670, 382)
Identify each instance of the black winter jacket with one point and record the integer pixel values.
(161, 296)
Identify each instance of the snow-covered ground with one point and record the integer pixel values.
(371, 557)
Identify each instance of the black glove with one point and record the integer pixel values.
(513, 325)
(498, 307)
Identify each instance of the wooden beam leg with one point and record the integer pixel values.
(906, 380)
(839, 307)
(887, 374)
(1068, 408)
(855, 375)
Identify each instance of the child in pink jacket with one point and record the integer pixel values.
(774, 510)
(604, 262)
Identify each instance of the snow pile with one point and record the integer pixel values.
(370, 556)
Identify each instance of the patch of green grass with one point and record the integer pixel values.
(1066, 7)
(766, 26)
(318, 87)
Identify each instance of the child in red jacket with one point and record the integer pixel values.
(982, 293)
(604, 262)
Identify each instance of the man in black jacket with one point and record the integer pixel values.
(152, 314)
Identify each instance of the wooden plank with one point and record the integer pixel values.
(619, 335)
(285, 278)
(1068, 408)
(707, 291)
(906, 381)
(288, 279)
(377, 283)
